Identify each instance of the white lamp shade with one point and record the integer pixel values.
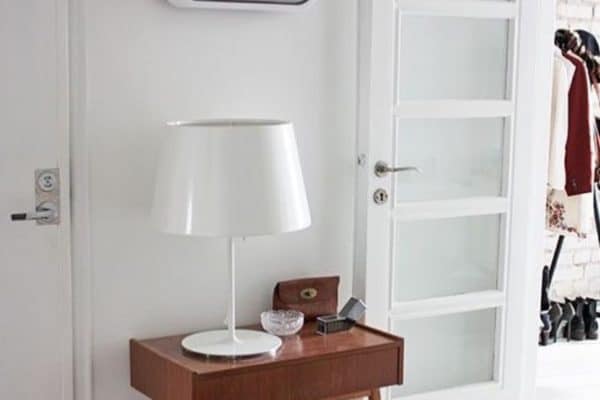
(230, 178)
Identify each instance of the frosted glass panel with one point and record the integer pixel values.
(447, 351)
(452, 58)
(445, 257)
(458, 158)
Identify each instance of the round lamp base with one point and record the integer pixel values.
(219, 343)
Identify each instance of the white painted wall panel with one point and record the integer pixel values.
(148, 63)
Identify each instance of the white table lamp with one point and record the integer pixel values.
(230, 178)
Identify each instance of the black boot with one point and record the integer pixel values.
(577, 325)
(560, 316)
(589, 317)
(546, 327)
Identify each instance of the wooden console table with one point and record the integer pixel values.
(308, 366)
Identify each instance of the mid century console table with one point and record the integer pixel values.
(308, 366)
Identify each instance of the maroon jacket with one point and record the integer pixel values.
(578, 160)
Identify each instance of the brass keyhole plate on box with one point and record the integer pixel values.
(309, 293)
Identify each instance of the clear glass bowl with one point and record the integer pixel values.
(282, 322)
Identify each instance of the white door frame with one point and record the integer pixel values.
(534, 53)
(83, 319)
(64, 164)
(529, 203)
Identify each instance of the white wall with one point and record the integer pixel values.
(148, 63)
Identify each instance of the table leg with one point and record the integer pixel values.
(372, 394)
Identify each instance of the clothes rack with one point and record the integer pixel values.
(555, 256)
(585, 46)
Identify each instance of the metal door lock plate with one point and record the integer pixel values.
(47, 194)
(380, 196)
(47, 199)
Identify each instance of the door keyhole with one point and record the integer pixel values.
(380, 196)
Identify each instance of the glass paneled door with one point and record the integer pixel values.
(438, 107)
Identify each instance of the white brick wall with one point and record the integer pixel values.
(575, 10)
(578, 271)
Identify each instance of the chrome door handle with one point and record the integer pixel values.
(45, 213)
(382, 169)
(47, 199)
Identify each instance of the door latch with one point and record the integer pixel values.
(47, 199)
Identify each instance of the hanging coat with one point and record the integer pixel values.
(569, 208)
(559, 123)
(578, 162)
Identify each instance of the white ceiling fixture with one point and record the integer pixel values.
(267, 5)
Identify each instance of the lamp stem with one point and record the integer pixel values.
(231, 319)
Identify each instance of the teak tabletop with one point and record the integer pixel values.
(307, 366)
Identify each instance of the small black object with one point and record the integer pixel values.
(18, 217)
(332, 323)
(352, 311)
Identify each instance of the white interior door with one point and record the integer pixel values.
(440, 260)
(35, 287)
